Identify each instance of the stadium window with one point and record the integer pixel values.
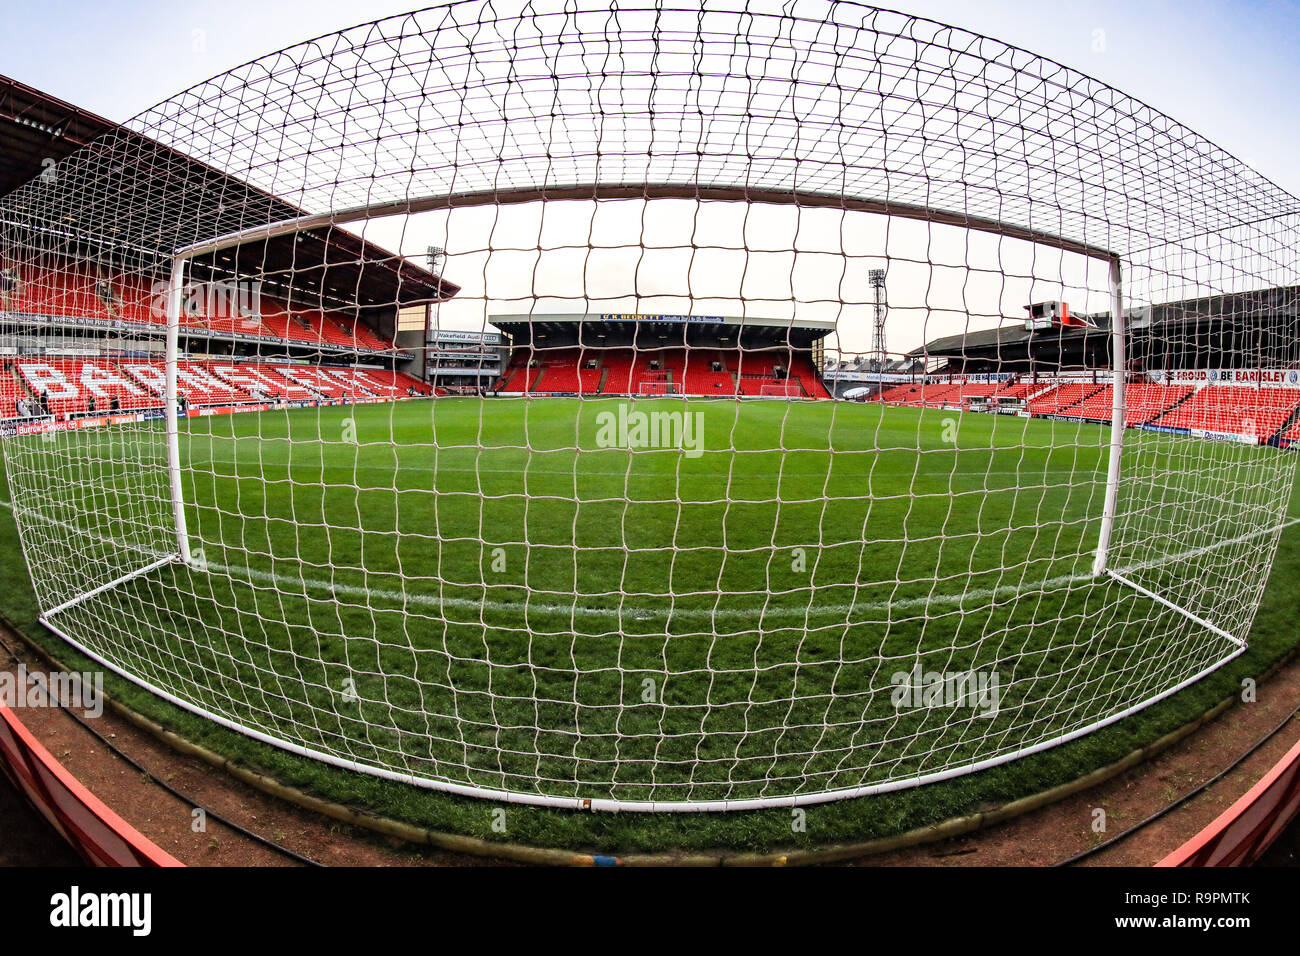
(412, 318)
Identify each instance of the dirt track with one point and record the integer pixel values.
(1041, 838)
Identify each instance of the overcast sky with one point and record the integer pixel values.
(1231, 71)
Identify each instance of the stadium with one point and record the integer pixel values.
(373, 425)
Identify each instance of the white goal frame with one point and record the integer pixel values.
(1235, 646)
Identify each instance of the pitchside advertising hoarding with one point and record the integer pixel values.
(472, 338)
(1262, 377)
(41, 425)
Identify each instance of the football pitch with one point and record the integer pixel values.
(711, 602)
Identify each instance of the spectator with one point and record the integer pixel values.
(23, 410)
(45, 402)
(114, 404)
(90, 404)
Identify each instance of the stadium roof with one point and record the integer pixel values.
(1244, 328)
(1008, 338)
(34, 128)
(160, 200)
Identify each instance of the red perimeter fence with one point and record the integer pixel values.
(1242, 833)
(95, 831)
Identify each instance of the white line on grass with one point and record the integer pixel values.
(839, 472)
(406, 598)
(779, 612)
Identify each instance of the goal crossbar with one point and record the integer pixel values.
(594, 191)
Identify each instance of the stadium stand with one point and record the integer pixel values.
(1264, 413)
(624, 370)
(1234, 410)
(707, 372)
(262, 381)
(1020, 391)
(381, 383)
(922, 395)
(361, 335)
(320, 380)
(561, 370)
(71, 385)
(683, 371)
(1143, 401)
(138, 384)
(285, 324)
(62, 291)
(1061, 399)
(11, 389)
(803, 371)
(193, 380)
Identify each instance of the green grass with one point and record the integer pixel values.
(361, 549)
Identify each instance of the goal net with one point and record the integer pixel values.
(597, 600)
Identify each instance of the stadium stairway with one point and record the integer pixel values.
(1060, 399)
(1235, 410)
(12, 388)
(1187, 393)
(1290, 429)
(1143, 401)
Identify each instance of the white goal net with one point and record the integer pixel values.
(224, 318)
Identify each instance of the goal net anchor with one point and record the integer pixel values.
(1115, 460)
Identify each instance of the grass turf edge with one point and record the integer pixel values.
(522, 853)
(831, 831)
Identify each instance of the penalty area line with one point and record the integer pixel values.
(336, 589)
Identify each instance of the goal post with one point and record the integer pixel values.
(591, 601)
(175, 295)
(1119, 378)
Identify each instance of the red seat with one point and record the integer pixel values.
(1234, 410)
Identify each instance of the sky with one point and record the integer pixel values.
(1229, 70)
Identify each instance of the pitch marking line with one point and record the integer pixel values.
(284, 581)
